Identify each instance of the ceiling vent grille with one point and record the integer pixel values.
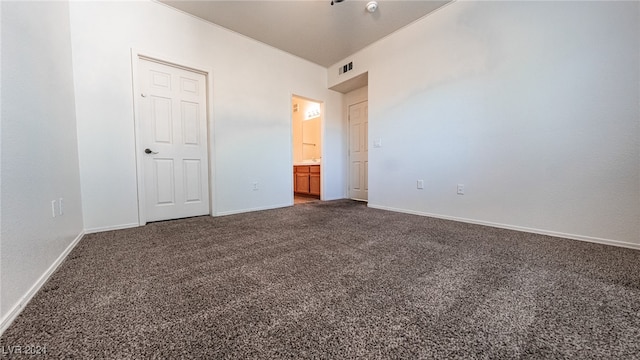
(345, 68)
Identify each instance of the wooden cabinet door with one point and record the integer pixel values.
(302, 183)
(314, 184)
(314, 180)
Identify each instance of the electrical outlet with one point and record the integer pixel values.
(54, 208)
(255, 186)
(61, 206)
(420, 184)
(460, 189)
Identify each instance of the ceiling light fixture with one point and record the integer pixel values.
(372, 6)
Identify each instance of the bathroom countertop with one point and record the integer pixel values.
(307, 163)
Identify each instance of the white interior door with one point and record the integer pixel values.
(359, 151)
(173, 138)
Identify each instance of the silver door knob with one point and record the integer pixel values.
(149, 151)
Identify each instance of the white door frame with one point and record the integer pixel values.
(136, 56)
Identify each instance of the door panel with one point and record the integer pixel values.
(355, 176)
(366, 176)
(189, 85)
(355, 137)
(192, 184)
(190, 123)
(173, 126)
(160, 80)
(302, 183)
(359, 151)
(161, 118)
(366, 132)
(164, 176)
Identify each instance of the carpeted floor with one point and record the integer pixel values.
(335, 280)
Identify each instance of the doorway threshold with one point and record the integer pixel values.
(297, 200)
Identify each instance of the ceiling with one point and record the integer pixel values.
(311, 29)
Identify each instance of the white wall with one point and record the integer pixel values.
(334, 149)
(252, 88)
(533, 106)
(39, 149)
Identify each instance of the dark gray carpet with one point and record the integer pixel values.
(335, 280)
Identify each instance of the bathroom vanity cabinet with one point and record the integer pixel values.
(306, 180)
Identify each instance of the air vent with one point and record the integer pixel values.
(345, 68)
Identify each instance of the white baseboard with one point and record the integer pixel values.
(270, 207)
(17, 309)
(332, 198)
(514, 227)
(109, 228)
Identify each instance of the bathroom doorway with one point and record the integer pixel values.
(307, 149)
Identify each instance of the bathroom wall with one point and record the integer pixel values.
(307, 139)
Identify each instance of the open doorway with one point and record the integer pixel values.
(307, 149)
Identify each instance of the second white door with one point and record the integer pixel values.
(359, 151)
(173, 135)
